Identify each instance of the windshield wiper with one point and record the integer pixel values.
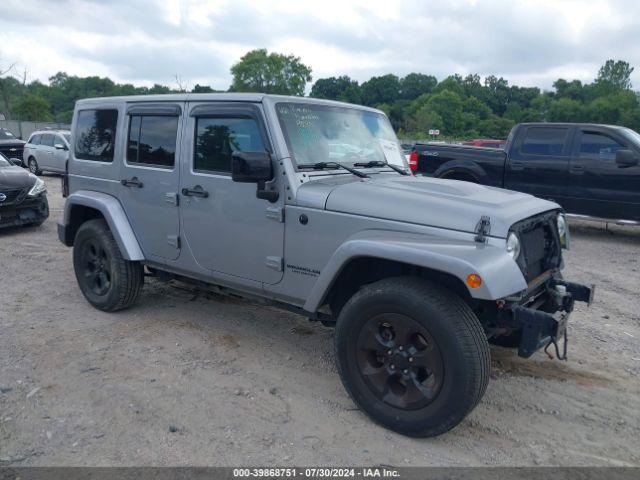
(380, 163)
(323, 165)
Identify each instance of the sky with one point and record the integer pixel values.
(528, 42)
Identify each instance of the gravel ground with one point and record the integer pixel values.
(195, 379)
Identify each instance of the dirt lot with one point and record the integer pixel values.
(188, 379)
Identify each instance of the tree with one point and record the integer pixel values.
(415, 84)
(259, 71)
(448, 106)
(377, 90)
(424, 120)
(565, 110)
(497, 91)
(616, 74)
(202, 89)
(33, 108)
(337, 88)
(495, 127)
(573, 90)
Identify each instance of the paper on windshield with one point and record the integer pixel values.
(392, 153)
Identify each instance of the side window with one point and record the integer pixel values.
(598, 146)
(35, 139)
(546, 141)
(46, 140)
(152, 140)
(217, 138)
(96, 135)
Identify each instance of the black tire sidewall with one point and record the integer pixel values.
(452, 398)
(34, 162)
(97, 231)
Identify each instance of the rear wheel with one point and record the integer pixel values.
(412, 355)
(107, 280)
(33, 166)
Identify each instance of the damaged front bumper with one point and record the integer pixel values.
(30, 211)
(542, 317)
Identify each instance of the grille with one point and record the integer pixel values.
(12, 151)
(540, 243)
(14, 196)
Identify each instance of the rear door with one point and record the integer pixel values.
(150, 177)
(597, 185)
(538, 163)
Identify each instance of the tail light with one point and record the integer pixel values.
(413, 161)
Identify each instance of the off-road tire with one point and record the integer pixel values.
(453, 327)
(126, 278)
(33, 167)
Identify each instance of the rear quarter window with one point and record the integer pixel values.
(544, 141)
(95, 134)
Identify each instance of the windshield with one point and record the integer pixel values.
(67, 137)
(6, 134)
(632, 135)
(323, 133)
(4, 162)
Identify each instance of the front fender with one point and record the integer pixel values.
(500, 275)
(114, 215)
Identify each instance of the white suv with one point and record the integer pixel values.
(47, 150)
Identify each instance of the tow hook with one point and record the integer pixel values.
(562, 323)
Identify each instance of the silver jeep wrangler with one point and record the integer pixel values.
(308, 205)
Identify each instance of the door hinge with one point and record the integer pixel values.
(171, 198)
(483, 228)
(174, 241)
(275, 213)
(275, 263)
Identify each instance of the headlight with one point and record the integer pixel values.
(563, 230)
(513, 245)
(37, 188)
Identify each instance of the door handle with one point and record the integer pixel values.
(517, 166)
(131, 182)
(196, 191)
(577, 169)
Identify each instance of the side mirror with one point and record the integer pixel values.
(16, 161)
(254, 167)
(60, 146)
(626, 158)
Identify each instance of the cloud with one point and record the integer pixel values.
(529, 42)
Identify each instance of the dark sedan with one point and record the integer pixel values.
(23, 196)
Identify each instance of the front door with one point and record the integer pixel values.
(44, 155)
(60, 154)
(598, 186)
(150, 178)
(228, 229)
(538, 163)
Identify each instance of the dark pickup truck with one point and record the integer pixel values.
(588, 169)
(10, 146)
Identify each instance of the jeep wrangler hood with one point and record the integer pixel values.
(448, 204)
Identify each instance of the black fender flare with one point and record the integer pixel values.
(463, 167)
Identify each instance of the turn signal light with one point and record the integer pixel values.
(474, 281)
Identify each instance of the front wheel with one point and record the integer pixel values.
(33, 166)
(108, 281)
(412, 355)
